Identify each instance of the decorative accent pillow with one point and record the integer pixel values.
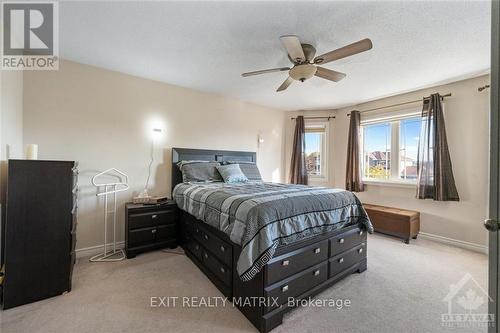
(249, 169)
(231, 173)
(184, 162)
(200, 172)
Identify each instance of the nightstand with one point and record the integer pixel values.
(150, 227)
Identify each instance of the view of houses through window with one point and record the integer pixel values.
(315, 139)
(378, 144)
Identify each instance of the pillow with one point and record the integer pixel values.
(200, 172)
(181, 163)
(231, 173)
(249, 169)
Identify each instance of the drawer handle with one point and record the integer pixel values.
(222, 248)
(284, 288)
(341, 241)
(205, 255)
(341, 260)
(316, 272)
(205, 236)
(154, 216)
(361, 233)
(153, 231)
(285, 262)
(360, 250)
(222, 270)
(197, 230)
(318, 250)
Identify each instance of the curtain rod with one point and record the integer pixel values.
(326, 117)
(398, 104)
(483, 87)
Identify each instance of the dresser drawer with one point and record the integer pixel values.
(346, 259)
(152, 219)
(346, 241)
(222, 250)
(215, 266)
(288, 264)
(141, 237)
(297, 284)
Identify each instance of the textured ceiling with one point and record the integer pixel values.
(207, 45)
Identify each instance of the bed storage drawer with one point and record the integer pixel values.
(346, 241)
(346, 259)
(297, 284)
(217, 268)
(222, 250)
(288, 264)
(194, 247)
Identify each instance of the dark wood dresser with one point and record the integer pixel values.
(39, 224)
(150, 227)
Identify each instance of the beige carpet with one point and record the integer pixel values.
(401, 291)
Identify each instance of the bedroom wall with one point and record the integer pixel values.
(11, 127)
(466, 116)
(105, 119)
(11, 114)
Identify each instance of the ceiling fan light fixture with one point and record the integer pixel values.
(302, 72)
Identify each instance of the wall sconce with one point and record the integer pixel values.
(260, 139)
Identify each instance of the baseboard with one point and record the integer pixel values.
(455, 242)
(93, 250)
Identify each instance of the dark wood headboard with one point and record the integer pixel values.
(186, 154)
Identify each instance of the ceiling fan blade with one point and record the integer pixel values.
(293, 47)
(285, 84)
(264, 71)
(346, 51)
(329, 74)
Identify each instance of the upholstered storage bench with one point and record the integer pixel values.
(401, 223)
(299, 270)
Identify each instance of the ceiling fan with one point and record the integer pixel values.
(305, 65)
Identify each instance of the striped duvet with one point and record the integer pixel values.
(262, 216)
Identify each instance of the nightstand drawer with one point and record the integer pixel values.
(152, 219)
(165, 232)
(141, 237)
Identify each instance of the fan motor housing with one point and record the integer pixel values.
(302, 72)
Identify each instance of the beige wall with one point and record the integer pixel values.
(466, 115)
(104, 119)
(11, 114)
(11, 126)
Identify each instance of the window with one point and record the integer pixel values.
(316, 142)
(377, 151)
(390, 148)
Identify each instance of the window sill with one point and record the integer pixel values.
(389, 183)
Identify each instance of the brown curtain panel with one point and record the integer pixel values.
(435, 175)
(353, 178)
(298, 172)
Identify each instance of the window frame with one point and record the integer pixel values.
(394, 121)
(323, 177)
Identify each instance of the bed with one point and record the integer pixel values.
(265, 244)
